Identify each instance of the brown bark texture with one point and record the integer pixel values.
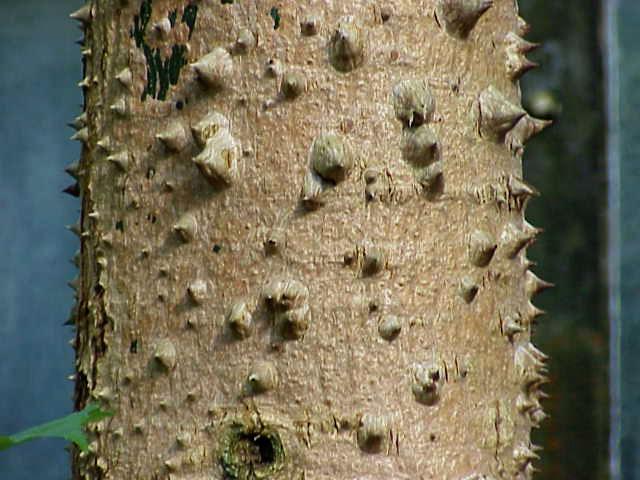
(303, 242)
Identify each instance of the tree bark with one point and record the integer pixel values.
(303, 242)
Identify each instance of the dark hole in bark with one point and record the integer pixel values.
(251, 453)
(256, 450)
(276, 17)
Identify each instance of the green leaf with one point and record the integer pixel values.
(69, 427)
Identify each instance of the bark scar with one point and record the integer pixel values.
(496, 426)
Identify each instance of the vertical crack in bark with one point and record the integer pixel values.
(496, 426)
(308, 432)
(336, 425)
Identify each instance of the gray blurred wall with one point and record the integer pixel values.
(39, 68)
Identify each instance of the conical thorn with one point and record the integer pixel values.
(81, 135)
(83, 14)
(496, 114)
(125, 77)
(120, 159)
(535, 285)
(73, 190)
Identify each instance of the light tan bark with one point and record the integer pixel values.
(304, 286)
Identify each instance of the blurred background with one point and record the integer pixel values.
(567, 163)
(40, 66)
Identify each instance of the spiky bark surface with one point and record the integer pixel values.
(303, 242)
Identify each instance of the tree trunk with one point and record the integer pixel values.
(303, 243)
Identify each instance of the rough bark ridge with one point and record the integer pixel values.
(303, 242)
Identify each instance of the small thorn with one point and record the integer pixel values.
(245, 41)
(522, 27)
(210, 126)
(73, 169)
(525, 404)
(75, 228)
(468, 289)
(73, 190)
(542, 395)
(518, 65)
(530, 471)
(84, 83)
(165, 354)
(524, 454)
(79, 122)
(76, 259)
(520, 188)
(533, 351)
(104, 143)
(74, 284)
(125, 77)
(535, 285)
(102, 261)
(516, 48)
(533, 313)
(107, 239)
(73, 316)
(186, 227)
(514, 239)
(120, 159)
(528, 364)
(524, 130)
(517, 44)
(347, 45)
(537, 417)
(175, 137)
(512, 327)
(119, 107)
(481, 248)
(81, 135)
(530, 231)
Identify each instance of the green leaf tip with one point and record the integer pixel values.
(70, 428)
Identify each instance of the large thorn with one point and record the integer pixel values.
(83, 14)
(496, 114)
(461, 16)
(215, 68)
